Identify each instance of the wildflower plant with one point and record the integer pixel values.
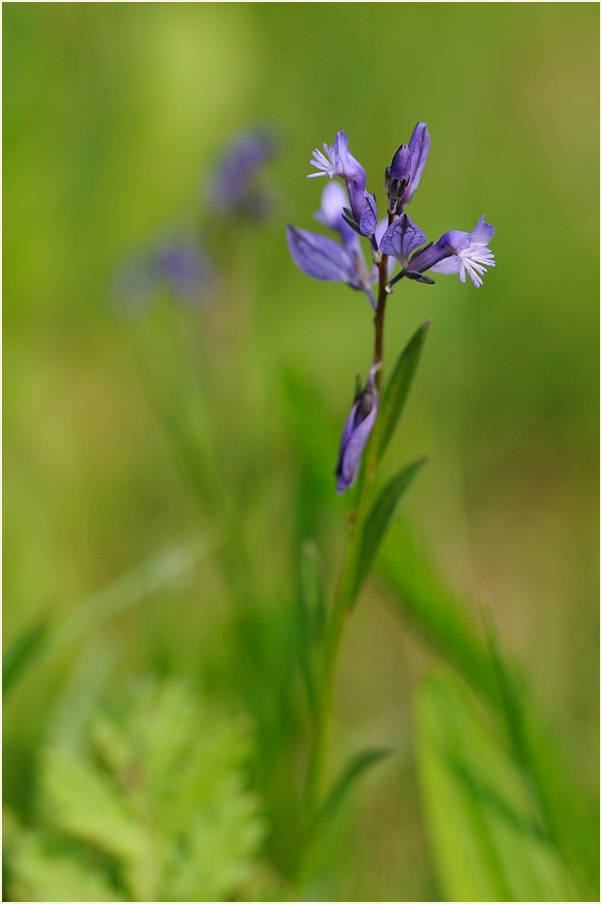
(373, 256)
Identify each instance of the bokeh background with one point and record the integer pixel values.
(113, 116)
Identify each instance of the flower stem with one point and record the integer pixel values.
(379, 317)
(345, 592)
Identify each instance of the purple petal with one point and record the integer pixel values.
(401, 239)
(431, 255)
(334, 199)
(320, 256)
(482, 233)
(449, 265)
(401, 165)
(369, 217)
(356, 431)
(352, 172)
(420, 144)
(347, 166)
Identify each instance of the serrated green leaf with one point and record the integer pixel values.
(155, 787)
(43, 874)
(352, 771)
(21, 655)
(379, 517)
(487, 839)
(398, 387)
(83, 803)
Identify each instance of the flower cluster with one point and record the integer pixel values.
(352, 215)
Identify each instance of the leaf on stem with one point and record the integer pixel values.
(378, 520)
(341, 788)
(398, 387)
(22, 654)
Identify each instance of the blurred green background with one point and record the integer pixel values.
(112, 114)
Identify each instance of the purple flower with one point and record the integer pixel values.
(356, 431)
(402, 178)
(401, 239)
(233, 188)
(420, 144)
(458, 252)
(337, 160)
(455, 252)
(330, 215)
(322, 257)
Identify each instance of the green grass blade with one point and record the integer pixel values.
(351, 773)
(26, 649)
(564, 809)
(398, 388)
(127, 591)
(561, 801)
(486, 839)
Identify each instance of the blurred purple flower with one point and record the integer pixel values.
(185, 269)
(177, 264)
(234, 187)
(356, 431)
(336, 160)
(322, 257)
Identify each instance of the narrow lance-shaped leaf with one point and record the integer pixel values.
(398, 387)
(379, 518)
(341, 788)
(22, 654)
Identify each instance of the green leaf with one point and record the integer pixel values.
(131, 589)
(560, 799)
(44, 874)
(487, 838)
(379, 517)
(22, 654)
(319, 844)
(398, 387)
(444, 621)
(86, 804)
(341, 788)
(154, 793)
